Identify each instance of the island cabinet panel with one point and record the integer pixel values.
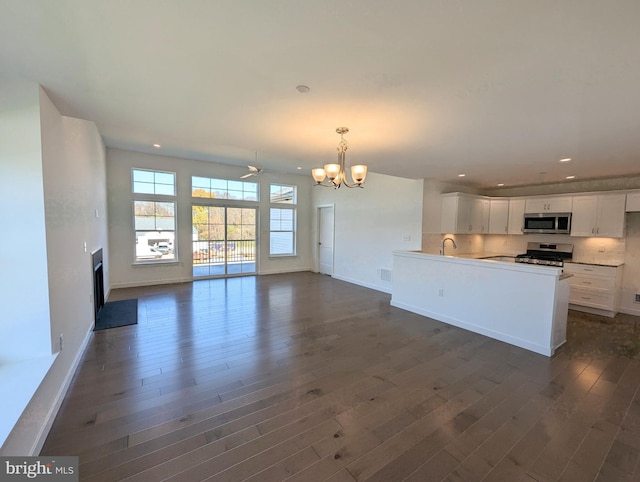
(499, 216)
(552, 204)
(516, 216)
(519, 304)
(594, 288)
(598, 215)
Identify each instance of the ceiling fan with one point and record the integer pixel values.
(253, 171)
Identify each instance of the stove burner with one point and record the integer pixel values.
(545, 254)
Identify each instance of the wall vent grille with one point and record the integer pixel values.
(637, 297)
(385, 274)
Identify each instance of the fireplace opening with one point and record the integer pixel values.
(98, 283)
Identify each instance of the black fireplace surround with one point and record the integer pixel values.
(98, 283)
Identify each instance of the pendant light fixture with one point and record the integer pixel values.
(335, 174)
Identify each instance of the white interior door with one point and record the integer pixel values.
(325, 239)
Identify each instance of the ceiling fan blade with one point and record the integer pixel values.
(254, 169)
(247, 175)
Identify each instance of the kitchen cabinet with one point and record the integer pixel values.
(598, 215)
(516, 216)
(464, 214)
(498, 216)
(633, 202)
(594, 288)
(550, 204)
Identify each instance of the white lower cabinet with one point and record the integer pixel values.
(594, 288)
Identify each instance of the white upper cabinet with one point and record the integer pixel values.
(464, 214)
(550, 204)
(516, 216)
(633, 201)
(598, 215)
(480, 215)
(499, 216)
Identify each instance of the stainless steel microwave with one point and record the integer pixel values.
(547, 223)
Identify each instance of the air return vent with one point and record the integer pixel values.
(385, 274)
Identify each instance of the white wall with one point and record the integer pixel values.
(24, 296)
(371, 223)
(122, 236)
(73, 186)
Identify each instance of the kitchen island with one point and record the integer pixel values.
(524, 305)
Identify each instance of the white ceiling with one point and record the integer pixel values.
(497, 89)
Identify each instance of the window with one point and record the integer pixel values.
(280, 194)
(224, 189)
(282, 220)
(154, 215)
(154, 182)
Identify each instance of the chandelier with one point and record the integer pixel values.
(335, 174)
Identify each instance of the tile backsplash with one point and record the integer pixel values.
(588, 250)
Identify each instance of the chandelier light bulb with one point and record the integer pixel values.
(318, 174)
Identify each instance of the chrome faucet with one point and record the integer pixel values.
(444, 241)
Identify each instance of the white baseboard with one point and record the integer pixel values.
(62, 391)
(630, 311)
(383, 289)
(283, 271)
(136, 284)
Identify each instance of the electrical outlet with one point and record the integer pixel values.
(601, 249)
(637, 297)
(441, 292)
(61, 342)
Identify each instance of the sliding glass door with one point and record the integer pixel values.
(224, 241)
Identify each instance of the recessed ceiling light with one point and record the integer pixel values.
(298, 168)
(157, 146)
(461, 175)
(566, 159)
(303, 89)
(570, 177)
(501, 184)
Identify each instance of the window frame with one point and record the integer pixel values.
(284, 205)
(147, 197)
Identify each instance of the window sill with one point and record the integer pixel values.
(280, 256)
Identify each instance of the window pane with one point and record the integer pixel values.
(164, 189)
(281, 243)
(142, 188)
(282, 232)
(154, 223)
(200, 182)
(143, 176)
(284, 194)
(165, 178)
(218, 184)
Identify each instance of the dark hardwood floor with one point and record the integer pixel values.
(301, 377)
